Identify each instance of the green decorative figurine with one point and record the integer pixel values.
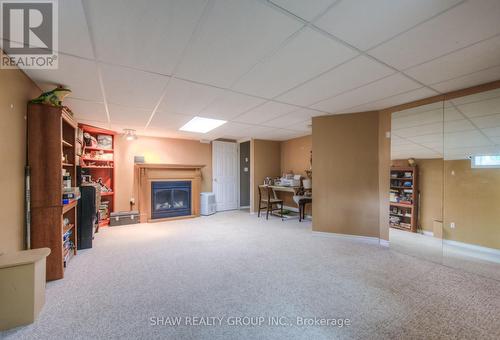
(52, 98)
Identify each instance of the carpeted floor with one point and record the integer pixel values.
(436, 250)
(235, 265)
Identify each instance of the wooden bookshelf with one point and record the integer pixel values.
(97, 160)
(403, 205)
(51, 149)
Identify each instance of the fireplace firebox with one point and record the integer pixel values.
(170, 199)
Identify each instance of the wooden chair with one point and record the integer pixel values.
(267, 197)
(302, 207)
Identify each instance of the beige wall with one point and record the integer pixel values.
(472, 201)
(15, 91)
(384, 166)
(346, 174)
(430, 187)
(157, 150)
(265, 160)
(295, 155)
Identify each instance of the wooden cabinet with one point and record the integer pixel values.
(51, 149)
(404, 196)
(97, 161)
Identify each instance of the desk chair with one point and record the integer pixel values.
(302, 207)
(267, 197)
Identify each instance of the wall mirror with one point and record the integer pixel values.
(471, 198)
(416, 181)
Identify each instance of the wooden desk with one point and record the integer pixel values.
(293, 190)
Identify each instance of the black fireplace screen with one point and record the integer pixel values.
(170, 199)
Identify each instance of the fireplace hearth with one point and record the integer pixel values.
(170, 199)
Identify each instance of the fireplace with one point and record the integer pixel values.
(150, 178)
(170, 199)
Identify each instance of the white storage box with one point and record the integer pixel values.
(208, 205)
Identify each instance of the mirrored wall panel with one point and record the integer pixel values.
(471, 221)
(416, 181)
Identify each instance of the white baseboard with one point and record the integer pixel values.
(428, 233)
(472, 250)
(384, 243)
(245, 207)
(364, 239)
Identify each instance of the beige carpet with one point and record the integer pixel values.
(236, 265)
(437, 250)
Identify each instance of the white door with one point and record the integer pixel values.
(225, 174)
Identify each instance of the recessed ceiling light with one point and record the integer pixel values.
(202, 125)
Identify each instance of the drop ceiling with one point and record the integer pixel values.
(454, 129)
(266, 67)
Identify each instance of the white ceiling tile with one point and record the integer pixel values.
(481, 108)
(83, 109)
(72, 23)
(129, 87)
(279, 134)
(149, 35)
(465, 139)
(292, 119)
(417, 119)
(451, 113)
(495, 140)
(465, 61)
(264, 113)
(398, 99)
(477, 97)
(167, 133)
(487, 121)
(459, 27)
(304, 127)
(436, 146)
(355, 73)
(411, 148)
(124, 115)
(395, 140)
(234, 36)
(458, 126)
(229, 105)
(307, 10)
(365, 24)
(305, 56)
(187, 97)
(432, 138)
(424, 129)
(237, 130)
(476, 78)
(492, 131)
(168, 121)
(79, 75)
(383, 88)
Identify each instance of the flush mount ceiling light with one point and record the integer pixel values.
(202, 125)
(129, 134)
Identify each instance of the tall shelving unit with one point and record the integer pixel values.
(98, 162)
(403, 213)
(51, 150)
